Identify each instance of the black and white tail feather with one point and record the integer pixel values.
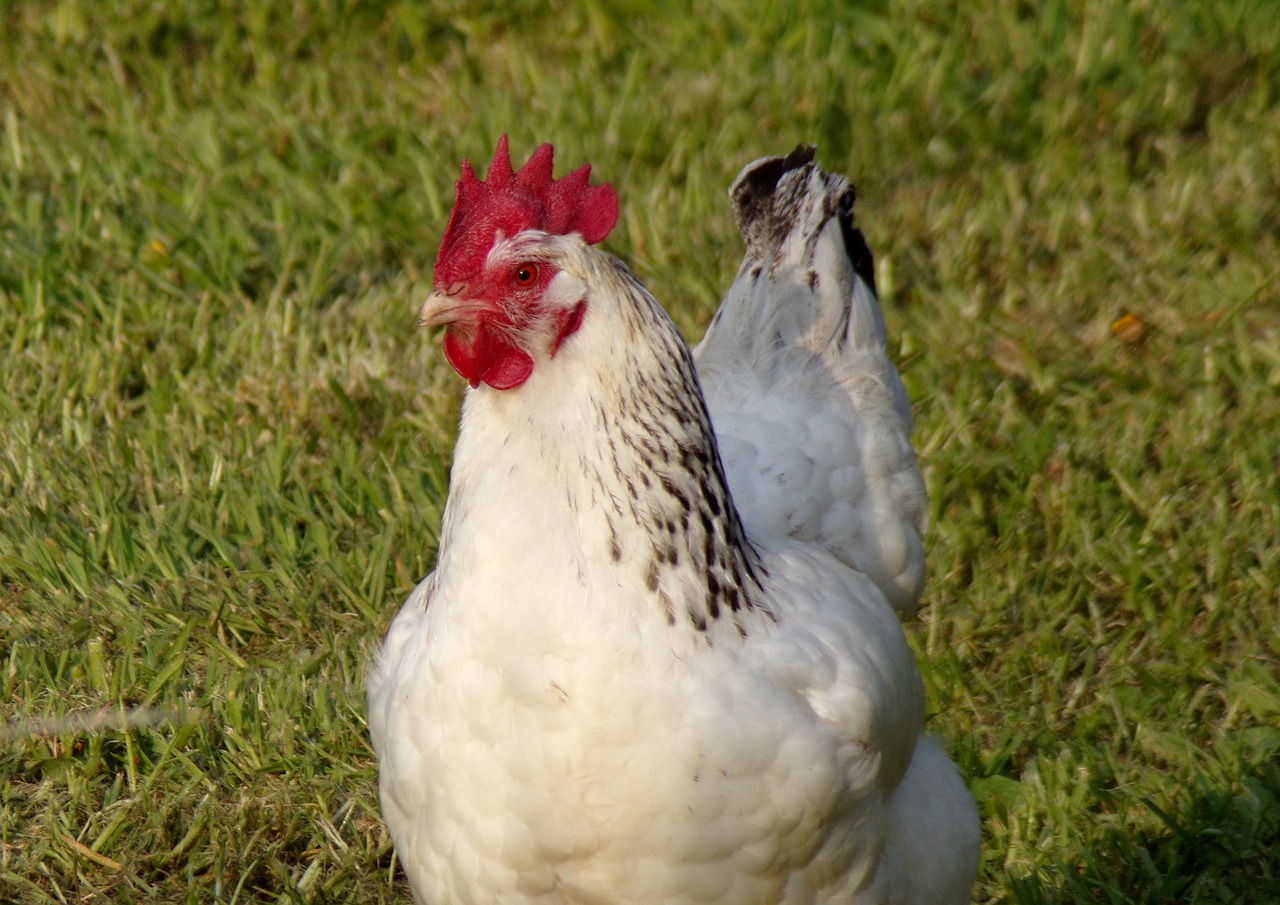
(813, 421)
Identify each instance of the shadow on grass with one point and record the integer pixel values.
(1220, 844)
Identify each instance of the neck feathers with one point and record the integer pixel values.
(613, 434)
(692, 552)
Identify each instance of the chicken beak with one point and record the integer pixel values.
(441, 308)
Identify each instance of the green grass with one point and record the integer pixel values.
(224, 448)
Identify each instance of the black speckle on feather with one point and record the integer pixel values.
(651, 575)
(675, 493)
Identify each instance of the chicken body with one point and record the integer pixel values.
(613, 689)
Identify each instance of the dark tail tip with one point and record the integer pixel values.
(777, 195)
(755, 186)
(855, 245)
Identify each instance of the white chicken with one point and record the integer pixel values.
(657, 662)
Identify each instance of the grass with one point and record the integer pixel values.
(224, 448)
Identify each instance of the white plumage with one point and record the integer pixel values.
(813, 422)
(613, 689)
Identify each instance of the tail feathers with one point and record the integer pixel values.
(783, 203)
(800, 240)
(813, 421)
(808, 278)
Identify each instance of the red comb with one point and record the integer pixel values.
(512, 202)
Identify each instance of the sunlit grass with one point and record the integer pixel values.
(224, 447)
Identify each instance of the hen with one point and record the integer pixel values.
(657, 662)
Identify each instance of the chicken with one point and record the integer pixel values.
(644, 672)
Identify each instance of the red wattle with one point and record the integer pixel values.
(483, 356)
(510, 368)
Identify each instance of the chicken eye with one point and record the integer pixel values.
(526, 275)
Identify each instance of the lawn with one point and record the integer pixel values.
(224, 446)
